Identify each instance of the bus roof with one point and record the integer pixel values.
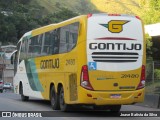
(49, 27)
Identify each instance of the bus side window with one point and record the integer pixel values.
(30, 48)
(64, 34)
(47, 44)
(68, 37)
(23, 50)
(15, 58)
(55, 41)
(18, 53)
(73, 35)
(37, 43)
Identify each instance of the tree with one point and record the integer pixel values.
(151, 14)
(149, 45)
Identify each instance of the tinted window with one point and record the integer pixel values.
(47, 44)
(17, 53)
(68, 37)
(37, 45)
(64, 39)
(23, 50)
(73, 35)
(55, 37)
(59, 40)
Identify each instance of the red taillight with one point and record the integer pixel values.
(142, 80)
(143, 73)
(138, 17)
(85, 78)
(1, 82)
(89, 15)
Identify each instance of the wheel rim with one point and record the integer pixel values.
(52, 98)
(62, 98)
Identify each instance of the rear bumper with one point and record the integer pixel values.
(104, 97)
(6, 87)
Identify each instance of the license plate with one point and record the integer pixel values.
(115, 96)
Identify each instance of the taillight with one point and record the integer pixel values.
(1, 82)
(85, 78)
(142, 80)
(138, 17)
(89, 15)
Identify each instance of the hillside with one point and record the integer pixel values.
(147, 10)
(133, 7)
(20, 16)
(140, 8)
(77, 6)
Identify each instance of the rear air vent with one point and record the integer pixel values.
(114, 57)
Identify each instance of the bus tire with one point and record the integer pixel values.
(23, 98)
(95, 107)
(1, 90)
(54, 99)
(115, 108)
(63, 106)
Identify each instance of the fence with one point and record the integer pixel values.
(153, 77)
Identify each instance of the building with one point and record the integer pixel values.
(2, 65)
(8, 69)
(8, 48)
(153, 29)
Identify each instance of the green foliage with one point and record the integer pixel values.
(147, 10)
(20, 17)
(149, 45)
(155, 4)
(142, 3)
(151, 14)
(157, 74)
(149, 71)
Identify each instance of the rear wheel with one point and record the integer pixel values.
(63, 105)
(23, 97)
(112, 108)
(95, 107)
(54, 98)
(1, 90)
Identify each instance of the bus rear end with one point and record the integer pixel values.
(115, 70)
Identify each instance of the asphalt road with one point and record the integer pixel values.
(12, 102)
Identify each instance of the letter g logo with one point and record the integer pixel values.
(115, 26)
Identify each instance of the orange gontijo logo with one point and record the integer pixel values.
(115, 26)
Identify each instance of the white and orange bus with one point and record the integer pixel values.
(94, 59)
